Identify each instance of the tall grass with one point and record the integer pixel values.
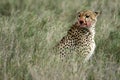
(30, 28)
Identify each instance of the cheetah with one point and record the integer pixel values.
(80, 37)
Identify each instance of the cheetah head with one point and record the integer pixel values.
(87, 18)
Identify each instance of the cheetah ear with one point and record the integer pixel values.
(78, 13)
(97, 13)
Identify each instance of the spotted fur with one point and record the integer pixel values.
(80, 37)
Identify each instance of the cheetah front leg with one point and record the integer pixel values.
(91, 52)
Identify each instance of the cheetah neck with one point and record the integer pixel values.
(92, 30)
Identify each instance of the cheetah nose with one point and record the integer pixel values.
(81, 21)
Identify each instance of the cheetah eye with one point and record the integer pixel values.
(87, 16)
(78, 15)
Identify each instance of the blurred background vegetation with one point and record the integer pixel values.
(30, 28)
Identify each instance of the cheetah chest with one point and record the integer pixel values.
(83, 42)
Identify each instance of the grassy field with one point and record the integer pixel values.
(30, 28)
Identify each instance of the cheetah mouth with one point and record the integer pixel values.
(86, 24)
